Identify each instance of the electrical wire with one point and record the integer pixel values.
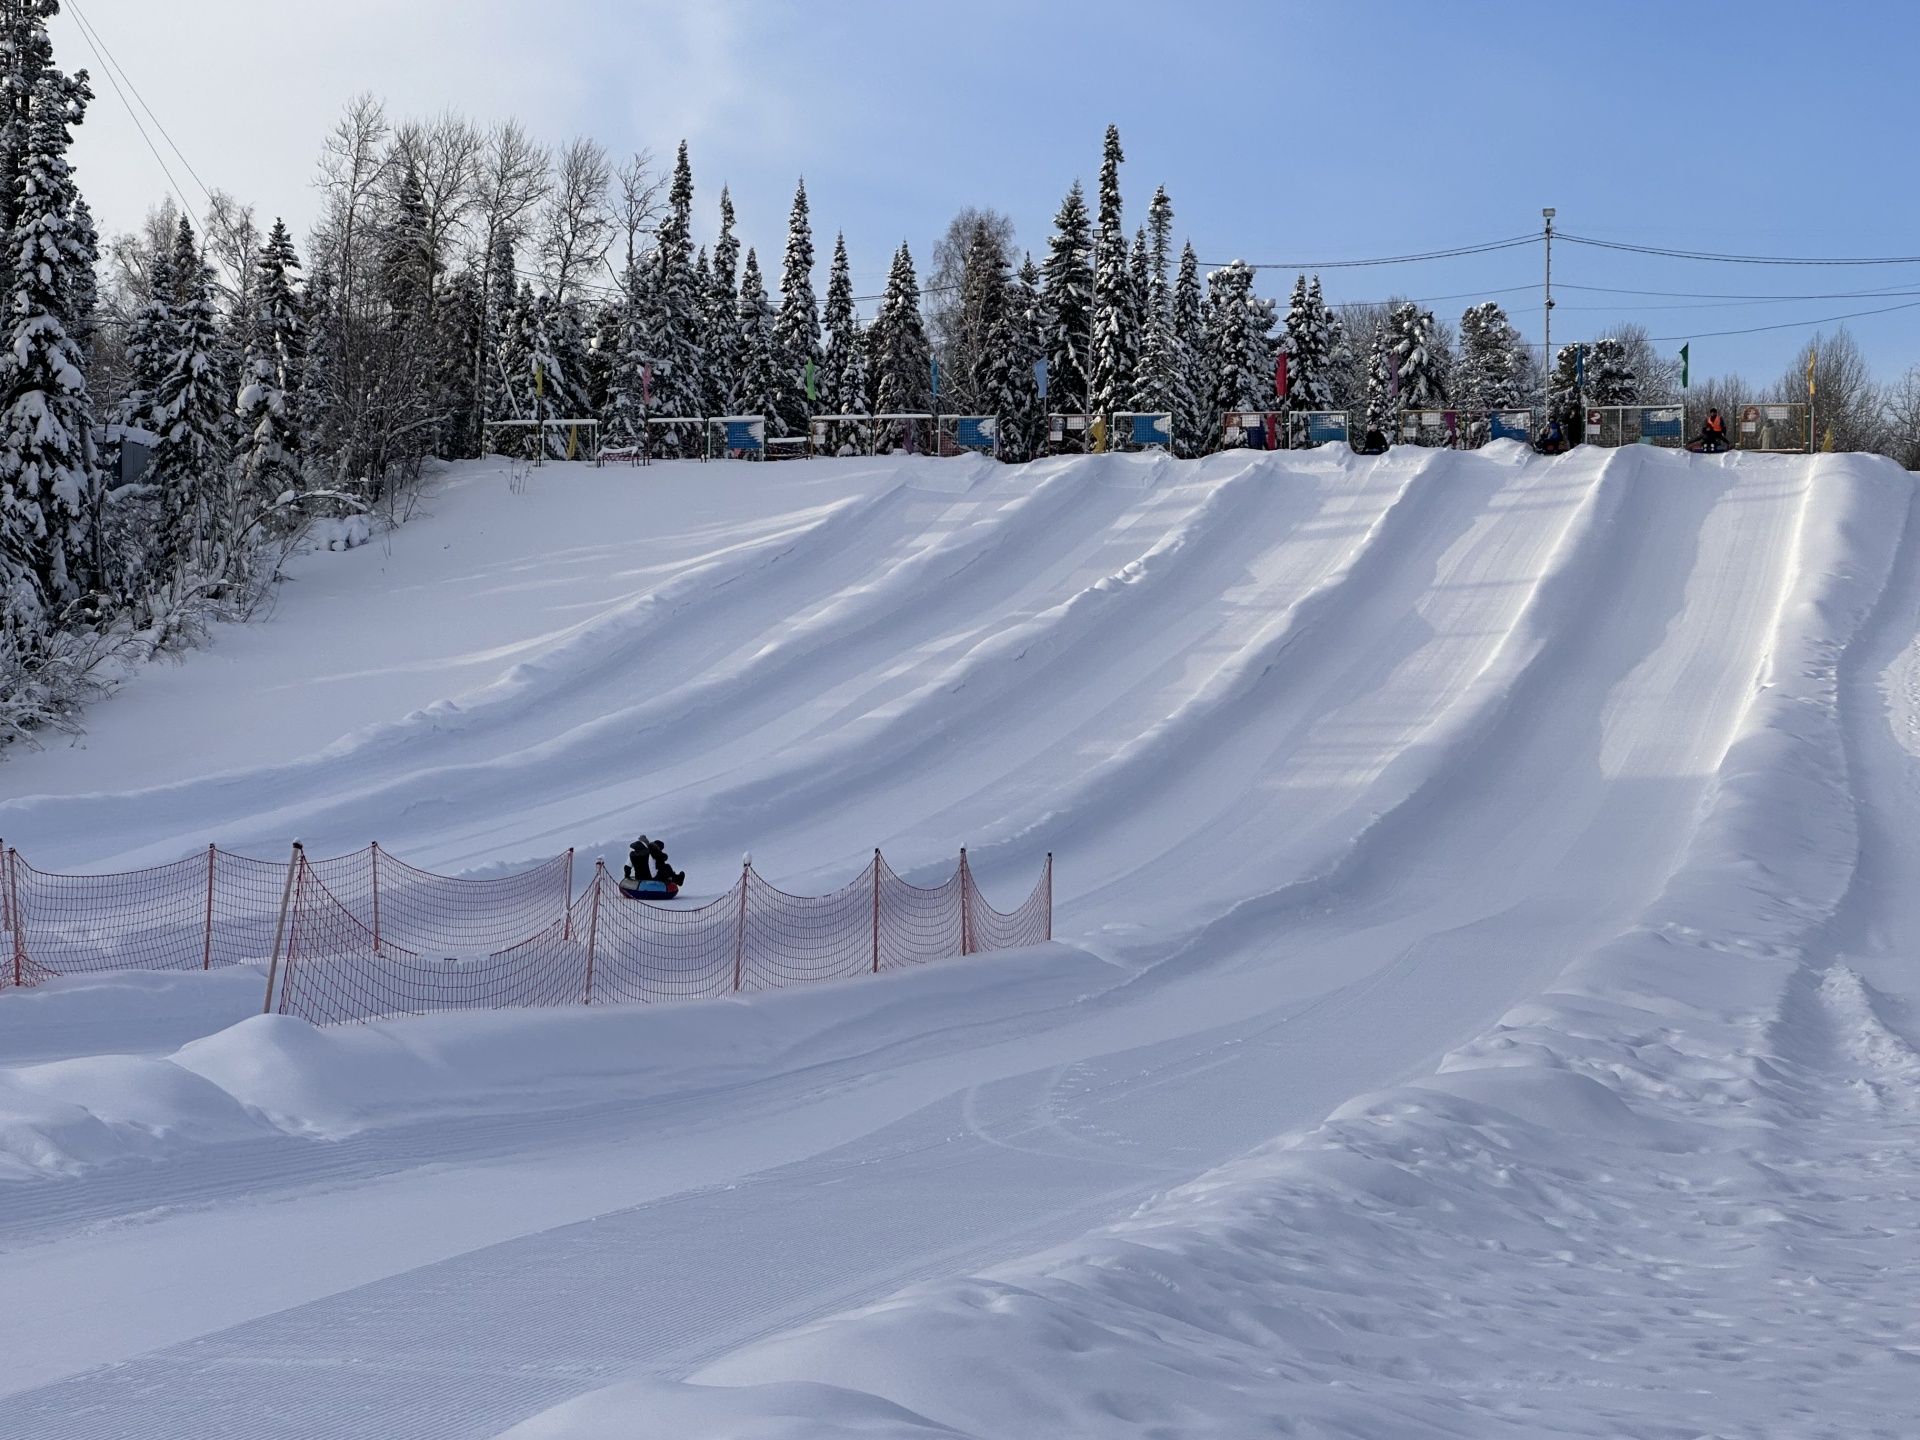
(1785, 324)
(134, 115)
(1880, 292)
(1385, 259)
(100, 48)
(1736, 259)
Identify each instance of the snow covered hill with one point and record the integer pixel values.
(1486, 1005)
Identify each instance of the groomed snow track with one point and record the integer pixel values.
(1341, 759)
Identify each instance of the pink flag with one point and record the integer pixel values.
(1280, 375)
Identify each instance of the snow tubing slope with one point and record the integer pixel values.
(1207, 686)
(1527, 816)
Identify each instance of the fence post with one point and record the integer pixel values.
(19, 919)
(566, 915)
(280, 927)
(374, 863)
(740, 924)
(876, 909)
(206, 954)
(966, 905)
(593, 919)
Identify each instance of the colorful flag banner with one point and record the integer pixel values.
(1280, 375)
(1152, 429)
(977, 432)
(1325, 426)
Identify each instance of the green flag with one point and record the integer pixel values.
(809, 379)
(1683, 363)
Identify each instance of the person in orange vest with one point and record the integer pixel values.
(1713, 434)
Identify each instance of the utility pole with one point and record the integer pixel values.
(1546, 369)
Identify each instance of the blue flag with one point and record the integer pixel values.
(936, 378)
(1040, 377)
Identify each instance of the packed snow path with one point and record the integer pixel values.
(1342, 760)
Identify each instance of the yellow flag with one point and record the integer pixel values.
(1812, 355)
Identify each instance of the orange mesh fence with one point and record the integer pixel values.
(645, 952)
(438, 914)
(1030, 924)
(193, 914)
(221, 909)
(613, 950)
(335, 970)
(917, 925)
(358, 936)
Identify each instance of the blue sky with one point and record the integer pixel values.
(1283, 131)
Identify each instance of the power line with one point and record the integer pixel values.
(1880, 292)
(1385, 259)
(1785, 324)
(1738, 259)
(99, 54)
(99, 46)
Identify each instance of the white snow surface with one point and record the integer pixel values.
(1484, 1002)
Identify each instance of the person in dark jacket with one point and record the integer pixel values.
(662, 870)
(640, 861)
